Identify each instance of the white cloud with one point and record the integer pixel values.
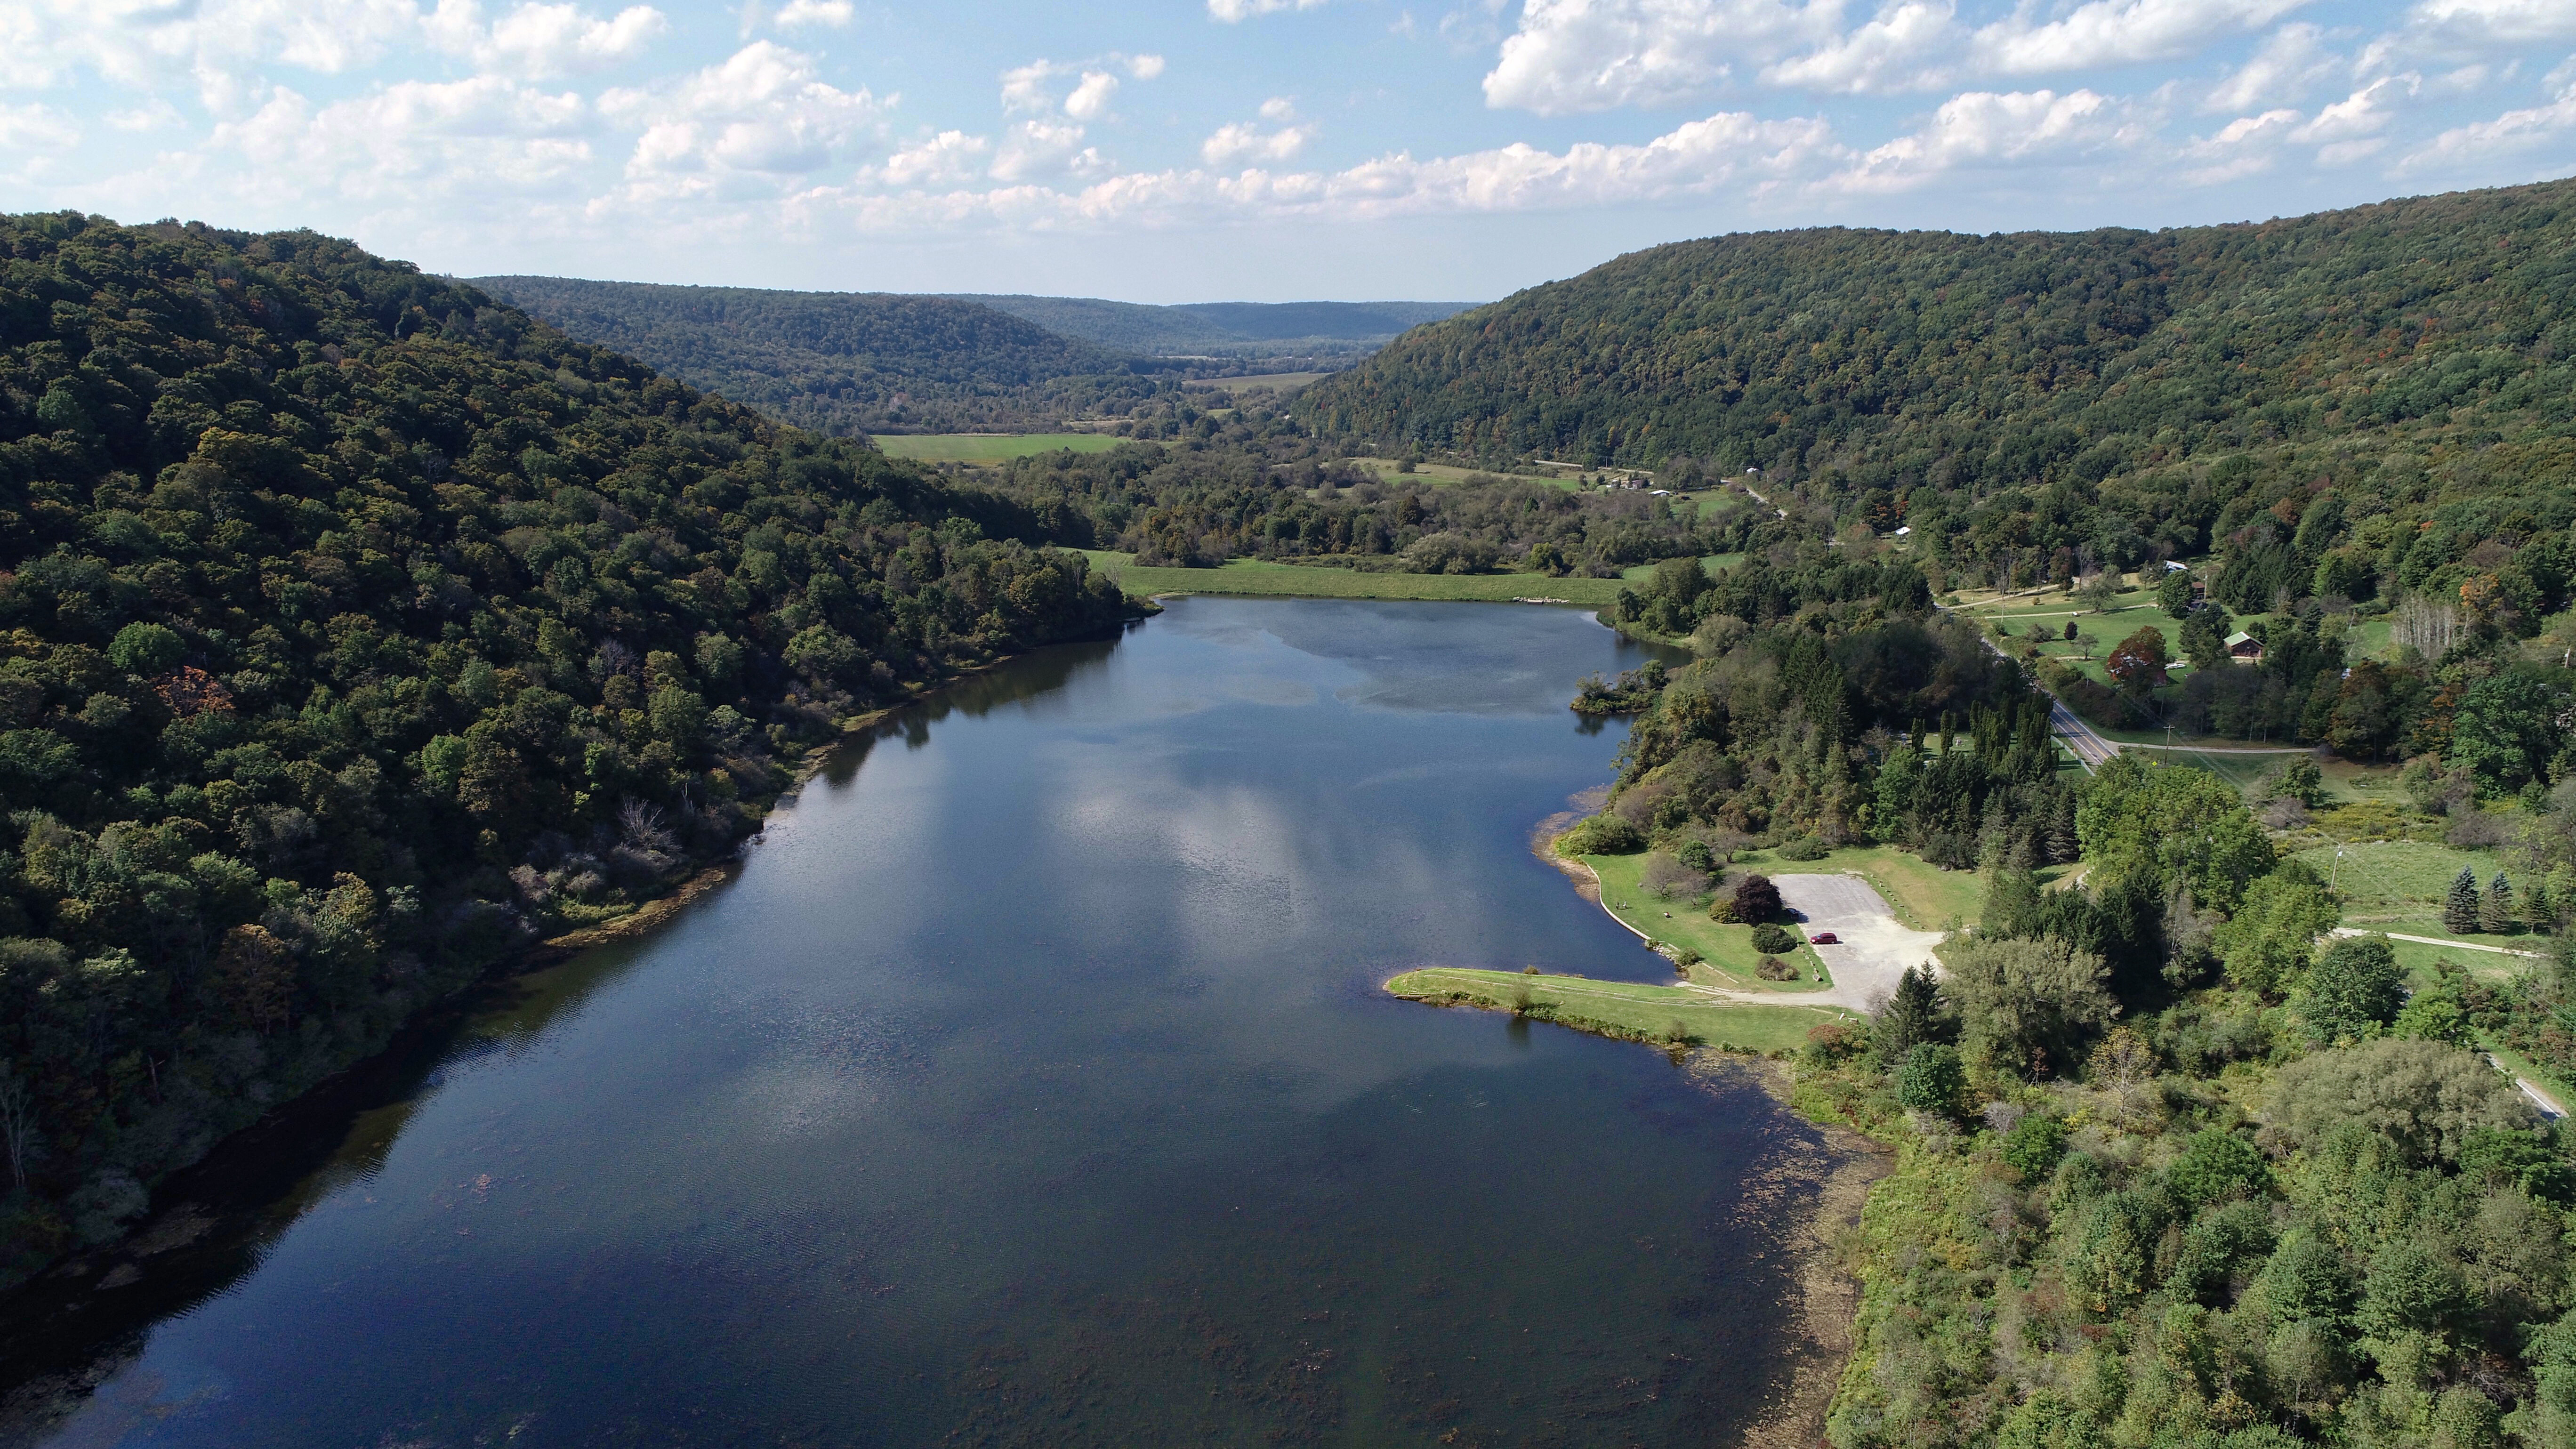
(1726, 152)
(2511, 134)
(1587, 55)
(2499, 20)
(1982, 128)
(1231, 11)
(216, 45)
(947, 159)
(835, 13)
(1901, 49)
(2365, 112)
(760, 118)
(1278, 108)
(1090, 100)
(1040, 148)
(1144, 67)
(2118, 32)
(1240, 142)
(155, 114)
(2289, 63)
(540, 41)
(1592, 55)
(415, 140)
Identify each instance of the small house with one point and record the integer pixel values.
(2244, 648)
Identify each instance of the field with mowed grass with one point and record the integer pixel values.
(1726, 950)
(1253, 576)
(987, 447)
(2399, 885)
(1670, 1015)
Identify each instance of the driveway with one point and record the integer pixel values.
(1873, 951)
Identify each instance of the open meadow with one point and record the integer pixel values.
(988, 447)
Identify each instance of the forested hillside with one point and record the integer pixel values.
(843, 363)
(356, 629)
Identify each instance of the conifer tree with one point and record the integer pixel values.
(2460, 907)
(2495, 913)
(1912, 1015)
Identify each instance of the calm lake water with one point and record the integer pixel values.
(1032, 1086)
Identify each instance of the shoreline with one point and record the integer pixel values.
(176, 1220)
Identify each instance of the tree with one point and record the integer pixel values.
(2297, 778)
(2025, 1004)
(2100, 591)
(2460, 905)
(2069, 632)
(2155, 826)
(2426, 1098)
(2138, 662)
(1931, 1078)
(2174, 595)
(2087, 642)
(2354, 989)
(1911, 1017)
(2270, 939)
(2495, 913)
(2507, 730)
(1756, 899)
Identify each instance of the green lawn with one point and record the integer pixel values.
(1283, 382)
(1622, 1008)
(1252, 576)
(1727, 949)
(1710, 565)
(2399, 884)
(988, 447)
(1924, 896)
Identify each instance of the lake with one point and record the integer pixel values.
(1032, 1086)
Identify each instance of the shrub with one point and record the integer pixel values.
(1806, 847)
(1603, 834)
(1756, 898)
(2426, 1098)
(1696, 855)
(2034, 1144)
(1772, 968)
(1931, 1079)
(1774, 939)
(2217, 1166)
(1686, 958)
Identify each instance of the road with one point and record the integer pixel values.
(2436, 941)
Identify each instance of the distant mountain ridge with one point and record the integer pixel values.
(1220, 328)
(851, 363)
(840, 363)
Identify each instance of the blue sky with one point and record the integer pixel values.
(1193, 150)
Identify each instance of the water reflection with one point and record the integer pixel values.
(1032, 1086)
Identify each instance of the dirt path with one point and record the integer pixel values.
(2437, 941)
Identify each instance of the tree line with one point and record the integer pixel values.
(356, 630)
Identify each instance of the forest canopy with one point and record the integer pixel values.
(356, 629)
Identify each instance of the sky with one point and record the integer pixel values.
(1262, 150)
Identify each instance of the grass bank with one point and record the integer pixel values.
(988, 447)
(1924, 896)
(1726, 950)
(1255, 577)
(1630, 1011)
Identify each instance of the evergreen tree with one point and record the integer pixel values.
(2460, 907)
(2495, 913)
(1911, 1017)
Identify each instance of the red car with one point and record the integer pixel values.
(1823, 938)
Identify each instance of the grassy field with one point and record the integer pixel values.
(2399, 884)
(1727, 950)
(988, 447)
(1621, 1008)
(1441, 475)
(1251, 576)
(1280, 382)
